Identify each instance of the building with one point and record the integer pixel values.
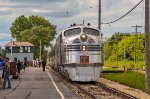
(20, 51)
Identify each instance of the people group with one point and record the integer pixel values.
(6, 71)
(36, 63)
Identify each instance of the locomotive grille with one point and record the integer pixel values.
(78, 48)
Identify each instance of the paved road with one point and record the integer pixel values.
(36, 84)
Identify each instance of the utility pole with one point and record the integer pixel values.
(20, 50)
(117, 48)
(99, 16)
(124, 58)
(136, 27)
(147, 45)
(99, 27)
(11, 51)
(40, 50)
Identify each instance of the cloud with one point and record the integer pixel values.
(65, 12)
(34, 1)
(4, 35)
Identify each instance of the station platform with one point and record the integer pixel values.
(36, 84)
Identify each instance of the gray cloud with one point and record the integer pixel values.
(78, 10)
(34, 1)
(18, 5)
(4, 13)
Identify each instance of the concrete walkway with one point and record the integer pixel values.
(36, 84)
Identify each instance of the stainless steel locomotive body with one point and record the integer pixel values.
(78, 53)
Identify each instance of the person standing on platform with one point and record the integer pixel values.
(35, 63)
(7, 74)
(2, 63)
(38, 62)
(43, 64)
(24, 65)
(18, 66)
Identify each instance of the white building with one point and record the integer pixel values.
(20, 51)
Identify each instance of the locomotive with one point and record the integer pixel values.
(77, 53)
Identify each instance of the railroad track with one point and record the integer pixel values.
(86, 92)
(115, 91)
(94, 91)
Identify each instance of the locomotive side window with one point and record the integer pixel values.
(72, 32)
(91, 31)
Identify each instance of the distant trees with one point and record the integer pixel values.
(123, 46)
(33, 29)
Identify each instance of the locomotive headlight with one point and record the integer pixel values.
(83, 47)
(83, 37)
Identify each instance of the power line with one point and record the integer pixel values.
(143, 13)
(73, 9)
(90, 7)
(124, 14)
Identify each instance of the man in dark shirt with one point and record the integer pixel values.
(19, 66)
(43, 64)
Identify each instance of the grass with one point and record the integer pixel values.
(129, 78)
(109, 68)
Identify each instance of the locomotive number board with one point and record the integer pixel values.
(84, 59)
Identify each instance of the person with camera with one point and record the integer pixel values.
(7, 70)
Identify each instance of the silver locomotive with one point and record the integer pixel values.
(77, 53)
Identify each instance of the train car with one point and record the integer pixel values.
(77, 53)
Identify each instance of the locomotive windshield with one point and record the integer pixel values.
(72, 32)
(91, 31)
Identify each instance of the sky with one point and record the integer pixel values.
(63, 13)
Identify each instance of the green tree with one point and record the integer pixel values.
(33, 29)
(125, 44)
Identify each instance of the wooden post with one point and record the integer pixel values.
(147, 44)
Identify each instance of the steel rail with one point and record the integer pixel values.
(118, 92)
(86, 92)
